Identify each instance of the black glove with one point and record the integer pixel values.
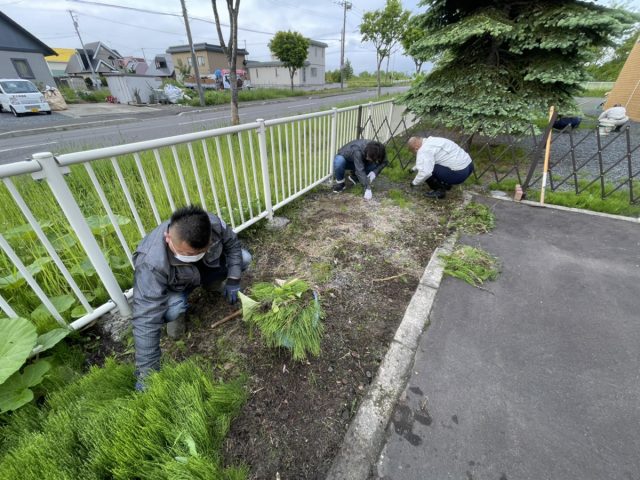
(231, 289)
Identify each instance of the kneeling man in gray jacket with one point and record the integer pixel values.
(193, 248)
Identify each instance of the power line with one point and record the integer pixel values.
(132, 25)
(168, 14)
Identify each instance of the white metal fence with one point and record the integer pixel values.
(71, 222)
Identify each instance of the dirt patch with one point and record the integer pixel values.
(365, 260)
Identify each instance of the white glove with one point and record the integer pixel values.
(414, 168)
(367, 194)
(371, 176)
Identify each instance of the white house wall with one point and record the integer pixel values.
(123, 86)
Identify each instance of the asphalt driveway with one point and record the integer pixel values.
(539, 378)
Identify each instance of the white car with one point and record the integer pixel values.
(21, 96)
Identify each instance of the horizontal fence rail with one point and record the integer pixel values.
(71, 222)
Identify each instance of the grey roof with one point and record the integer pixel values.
(317, 43)
(202, 46)
(16, 39)
(274, 63)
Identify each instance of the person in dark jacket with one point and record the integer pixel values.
(365, 158)
(193, 248)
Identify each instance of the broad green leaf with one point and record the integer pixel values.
(64, 242)
(50, 339)
(83, 269)
(62, 303)
(100, 223)
(248, 305)
(16, 391)
(17, 339)
(78, 312)
(16, 278)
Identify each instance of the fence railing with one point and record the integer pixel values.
(71, 222)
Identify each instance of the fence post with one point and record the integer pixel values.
(333, 145)
(369, 121)
(264, 162)
(389, 120)
(53, 175)
(359, 127)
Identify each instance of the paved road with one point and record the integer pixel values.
(539, 380)
(132, 127)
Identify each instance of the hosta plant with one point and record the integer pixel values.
(288, 315)
(18, 340)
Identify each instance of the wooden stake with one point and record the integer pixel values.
(235, 314)
(547, 153)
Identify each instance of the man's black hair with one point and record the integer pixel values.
(375, 151)
(192, 225)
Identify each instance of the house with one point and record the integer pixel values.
(209, 57)
(58, 63)
(626, 90)
(275, 74)
(22, 54)
(102, 58)
(162, 66)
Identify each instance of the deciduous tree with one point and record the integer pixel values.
(383, 28)
(230, 48)
(291, 48)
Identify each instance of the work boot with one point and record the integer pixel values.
(176, 328)
(439, 194)
(338, 187)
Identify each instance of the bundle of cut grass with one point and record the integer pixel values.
(472, 265)
(288, 314)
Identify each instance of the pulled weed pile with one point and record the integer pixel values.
(288, 314)
(471, 265)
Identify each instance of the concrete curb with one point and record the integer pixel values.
(566, 209)
(364, 439)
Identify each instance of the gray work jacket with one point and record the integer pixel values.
(354, 152)
(158, 271)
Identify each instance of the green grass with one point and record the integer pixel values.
(590, 198)
(217, 97)
(471, 265)
(473, 219)
(98, 427)
(595, 92)
(399, 198)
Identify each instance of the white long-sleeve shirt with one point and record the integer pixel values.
(436, 150)
(614, 113)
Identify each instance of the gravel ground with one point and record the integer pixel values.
(619, 152)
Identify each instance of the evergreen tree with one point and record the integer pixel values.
(608, 66)
(502, 63)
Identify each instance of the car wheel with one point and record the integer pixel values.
(15, 114)
(48, 112)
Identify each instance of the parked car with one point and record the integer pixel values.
(21, 96)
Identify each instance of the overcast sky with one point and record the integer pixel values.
(130, 31)
(138, 33)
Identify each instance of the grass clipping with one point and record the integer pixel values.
(474, 218)
(471, 265)
(288, 314)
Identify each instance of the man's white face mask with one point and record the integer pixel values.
(189, 258)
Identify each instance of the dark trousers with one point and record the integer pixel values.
(444, 176)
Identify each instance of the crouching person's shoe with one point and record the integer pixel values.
(439, 194)
(338, 187)
(176, 328)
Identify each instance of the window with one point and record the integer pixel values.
(161, 63)
(200, 61)
(314, 72)
(22, 67)
(190, 62)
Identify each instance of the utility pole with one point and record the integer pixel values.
(86, 55)
(347, 6)
(194, 61)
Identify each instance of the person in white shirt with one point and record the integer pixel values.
(615, 116)
(439, 162)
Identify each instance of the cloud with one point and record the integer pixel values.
(137, 33)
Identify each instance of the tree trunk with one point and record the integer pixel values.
(231, 51)
(291, 75)
(378, 75)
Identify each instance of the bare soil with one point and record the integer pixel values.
(365, 260)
